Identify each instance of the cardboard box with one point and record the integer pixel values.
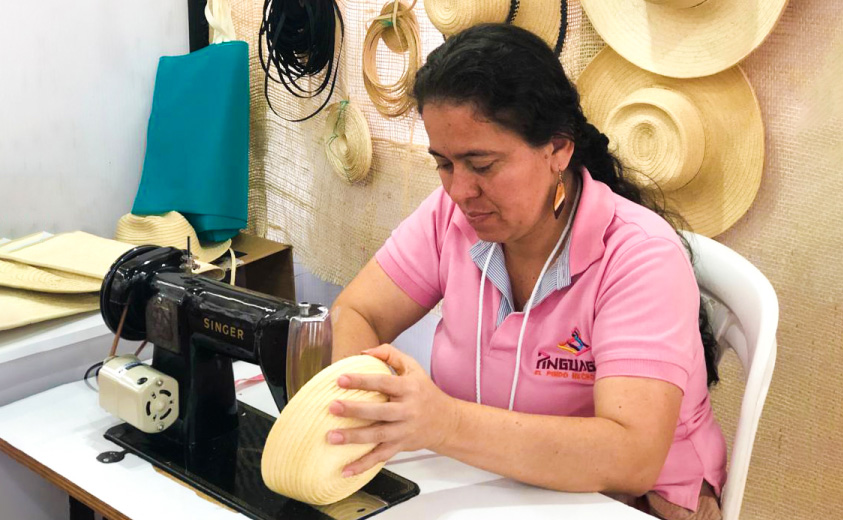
(267, 266)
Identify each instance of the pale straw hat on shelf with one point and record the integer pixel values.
(545, 18)
(701, 141)
(684, 38)
(297, 460)
(170, 229)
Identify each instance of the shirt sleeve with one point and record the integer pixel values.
(646, 315)
(411, 255)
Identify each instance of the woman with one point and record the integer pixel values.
(578, 363)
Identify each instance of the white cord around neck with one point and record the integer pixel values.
(527, 309)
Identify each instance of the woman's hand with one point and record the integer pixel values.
(417, 416)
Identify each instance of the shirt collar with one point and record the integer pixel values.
(594, 213)
(558, 275)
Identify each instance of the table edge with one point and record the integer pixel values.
(56, 479)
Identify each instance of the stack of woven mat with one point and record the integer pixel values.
(45, 276)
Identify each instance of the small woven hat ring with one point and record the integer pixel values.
(398, 27)
(348, 142)
(700, 141)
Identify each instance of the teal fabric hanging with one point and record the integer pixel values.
(197, 149)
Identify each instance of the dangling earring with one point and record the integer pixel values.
(559, 200)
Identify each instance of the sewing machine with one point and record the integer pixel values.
(187, 420)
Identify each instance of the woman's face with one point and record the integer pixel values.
(502, 184)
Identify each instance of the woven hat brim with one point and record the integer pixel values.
(450, 17)
(730, 175)
(684, 43)
(27, 277)
(541, 17)
(19, 308)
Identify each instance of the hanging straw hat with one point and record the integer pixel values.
(170, 229)
(545, 18)
(701, 141)
(684, 38)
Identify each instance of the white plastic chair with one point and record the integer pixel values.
(744, 314)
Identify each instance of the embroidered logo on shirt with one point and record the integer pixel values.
(555, 361)
(575, 345)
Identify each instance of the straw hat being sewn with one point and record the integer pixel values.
(545, 18)
(701, 141)
(684, 38)
(297, 460)
(170, 229)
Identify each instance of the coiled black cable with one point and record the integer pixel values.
(300, 41)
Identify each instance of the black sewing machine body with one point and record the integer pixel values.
(198, 326)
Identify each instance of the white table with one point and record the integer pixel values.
(58, 433)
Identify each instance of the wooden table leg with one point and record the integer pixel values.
(79, 511)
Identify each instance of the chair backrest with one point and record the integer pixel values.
(744, 314)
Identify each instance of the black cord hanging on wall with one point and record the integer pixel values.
(297, 41)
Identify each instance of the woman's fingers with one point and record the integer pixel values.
(385, 384)
(388, 412)
(381, 453)
(393, 357)
(377, 433)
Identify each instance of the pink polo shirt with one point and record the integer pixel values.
(628, 308)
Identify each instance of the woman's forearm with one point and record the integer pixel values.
(351, 332)
(563, 453)
(370, 311)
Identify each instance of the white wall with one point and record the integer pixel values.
(76, 82)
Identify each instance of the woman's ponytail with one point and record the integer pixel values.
(591, 150)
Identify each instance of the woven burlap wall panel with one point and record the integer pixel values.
(294, 197)
(793, 232)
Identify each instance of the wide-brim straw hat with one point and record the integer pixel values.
(545, 18)
(701, 141)
(684, 38)
(170, 229)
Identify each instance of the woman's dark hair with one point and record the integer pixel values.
(510, 76)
